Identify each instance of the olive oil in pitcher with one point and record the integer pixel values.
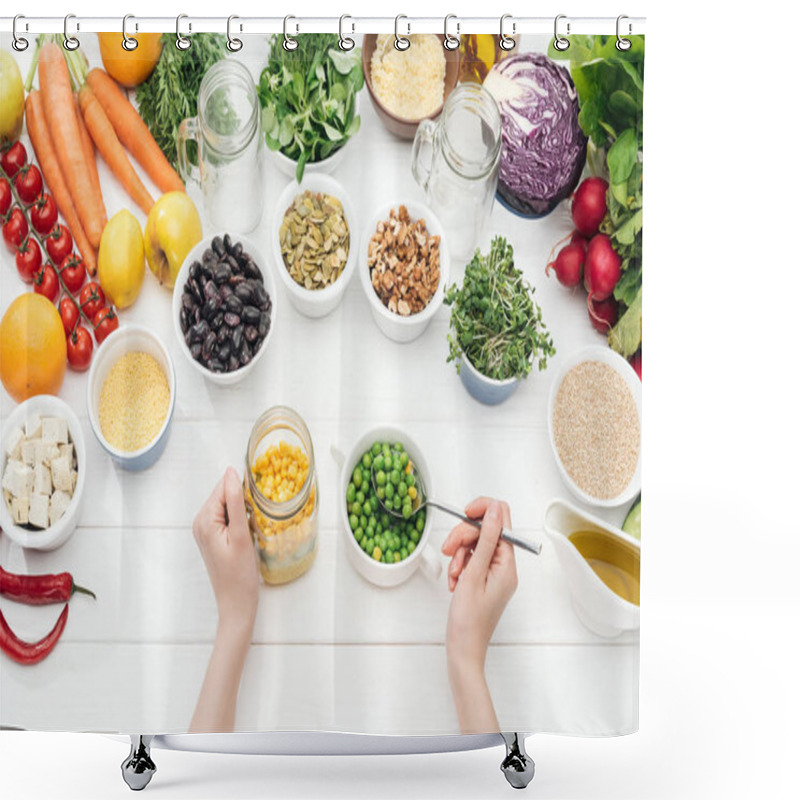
(614, 561)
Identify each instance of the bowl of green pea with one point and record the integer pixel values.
(386, 548)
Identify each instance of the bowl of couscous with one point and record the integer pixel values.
(131, 397)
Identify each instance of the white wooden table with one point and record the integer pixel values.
(330, 651)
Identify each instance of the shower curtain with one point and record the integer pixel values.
(363, 273)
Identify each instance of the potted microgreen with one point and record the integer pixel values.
(496, 329)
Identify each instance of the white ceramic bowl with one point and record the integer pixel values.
(424, 555)
(126, 339)
(55, 535)
(196, 254)
(607, 356)
(395, 326)
(315, 302)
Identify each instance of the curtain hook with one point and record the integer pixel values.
(234, 45)
(19, 43)
(452, 42)
(70, 42)
(345, 42)
(289, 42)
(623, 44)
(129, 42)
(182, 42)
(401, 42)
(561, 44)
(507, 42)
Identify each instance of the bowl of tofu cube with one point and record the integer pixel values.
(43, 456)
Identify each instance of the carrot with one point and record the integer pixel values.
(133, 132)
(88, 150)
(105, 138)
(54, 178)
(62, 123)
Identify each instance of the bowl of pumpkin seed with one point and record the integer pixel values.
(313, 243)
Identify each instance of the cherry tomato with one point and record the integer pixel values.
(46, 283)
(44, 214)
(73, 272)
(58, 243)
(29, 183)
(15, 229)
(92, 299)
(29, 259)
(79, 348)
(70, 316)
(13, 158)
(105, 321)
(6, 197)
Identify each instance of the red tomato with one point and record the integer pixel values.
(13, 158)
(15, 229)
(28, 182)
(46, 283)
(92, 299)
(29, 259)
(5, 197)
(70, 316)
(105, 321)
(58, 243)
(73, 272)
(44, 214)
(79, 348)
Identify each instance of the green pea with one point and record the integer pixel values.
(366, 460)
(367, 508)
(396, 465)
(397, 502)
(396, 558)
(380, 478)
(351, 492)
(394, 477)
(404, 540)
(378, 530)
(411, 480)
(369, 545)
(381, 493)
(387, 452)
(402, 490)
(377, 462)
(404, 553)
(420, 523)
(376, 448)
(358, 478)
(356, 508)
(389, 491)
(403, 458)
(406, 512)
(353, 522)
(389, 556)
(372, 521)
(414, 537)
(362, 521)
(359, 534)
(384, 519)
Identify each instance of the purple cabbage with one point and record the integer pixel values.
(544, 149)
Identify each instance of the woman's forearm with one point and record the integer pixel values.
(472, 698)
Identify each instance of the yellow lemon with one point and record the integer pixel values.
(120, 260)
(12, 99)
(173, 228)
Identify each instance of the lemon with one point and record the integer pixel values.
(120, 260)
(12, 99)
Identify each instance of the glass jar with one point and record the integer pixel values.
(460, 178)
(284, 533)
(227, 130)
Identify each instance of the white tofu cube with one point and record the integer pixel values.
(49, 452)
(28, 451)
(74, 481)
(20, 510)
(54, 430)
(67, 450)
(61, 470)
(39, 511)
(41, 480)
(14, 444)
(18, 478)
(59, 503)
(33, 427)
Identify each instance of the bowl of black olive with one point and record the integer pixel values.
(223, 306)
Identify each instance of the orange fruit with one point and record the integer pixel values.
(130, 67)
(33, 347)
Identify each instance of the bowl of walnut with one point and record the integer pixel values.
(404, 268)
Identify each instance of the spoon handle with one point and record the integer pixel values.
(507, 535)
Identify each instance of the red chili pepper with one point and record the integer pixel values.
(30, 652)
(40, 590)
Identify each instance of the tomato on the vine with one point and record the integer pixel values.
(92, 299)
(105, 321)
(13, 158)
(70, 316)
(79, 348)
(58, 243)
(29, 259)
(6, 198)
(15, 229)
(44, 214)
(28, 182)
(46, 283)
(72, 272)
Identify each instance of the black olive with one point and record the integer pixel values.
(233, 303)
(263, 324)
(224, 352)
(216, 244)
(250, 333)
(228, 243)
(222, 273)
(215, 365)
(237, 337)
(250, 315)
(260, 295)
(199, 331)
(232, 320)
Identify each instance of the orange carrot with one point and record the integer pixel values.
(54, 178)
(88, 150)
(102, 133)
(62, 123)
(133, 132)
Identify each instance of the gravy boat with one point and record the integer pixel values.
(598, 607)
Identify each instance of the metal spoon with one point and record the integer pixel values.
(423, 500)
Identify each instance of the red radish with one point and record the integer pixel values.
(603, 314)
(568, 265)
(589, 205)
(601, 269)
(579, 239)
(636, 362)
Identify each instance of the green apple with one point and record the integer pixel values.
(173, 228)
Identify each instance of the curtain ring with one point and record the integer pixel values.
(234, 45)
(452, 42)
(401, 43)
(623, 44)
(561, 44)
(289, 42)
(70, 42)
(345, 42)
(507, 42)
(182, 42)
(129, 42)
(19, 43)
